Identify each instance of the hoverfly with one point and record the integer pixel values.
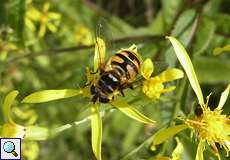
(115, 74)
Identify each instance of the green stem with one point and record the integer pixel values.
(76, 123)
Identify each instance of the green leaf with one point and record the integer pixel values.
(222, 22)
(50, 95)
(7, 106)
(214, 72)
(205, 34)
(163, 134)
(157, 26)
(170, 9)
(186, 63)
(96, 129)
(131, 112)
(183, 31)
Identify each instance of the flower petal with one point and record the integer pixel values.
(168, 89)
(200, 150)
(30, 24)
(147, 68)
(52, 27)
(54, 15)
(96, 129)
(46, 6)
(42, 30)
(186, 63)
(99, 54)
(50, 95)
(7, 106)
(223, 97)
(131, 112)
(171, 74)
(163, 134)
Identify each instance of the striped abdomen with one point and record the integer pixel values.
(127, 65)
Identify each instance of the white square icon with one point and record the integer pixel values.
(10, 148)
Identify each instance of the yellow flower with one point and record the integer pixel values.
(45, 18)
(83, 35)
(6, 42)
(210, 126)
(12, 130)
(48, 20)
(5, 48)
(153, 87)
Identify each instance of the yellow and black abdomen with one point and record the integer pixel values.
(119, 73)
(126, 64)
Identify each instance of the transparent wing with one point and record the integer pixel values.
(103, 45)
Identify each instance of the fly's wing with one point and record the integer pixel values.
(103, 45)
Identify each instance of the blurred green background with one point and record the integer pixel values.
(48, 45)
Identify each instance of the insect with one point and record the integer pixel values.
(117, 74)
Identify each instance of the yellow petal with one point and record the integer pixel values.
(54, 15)
(30, 24)
(163, 134)
(200, 150)
(8, 101)
(50, 95)
(52, 27)
(96, 129)
(220, 50)
(168, 89)
(147, 68)
(223, 97)
(186, 63)
(171, 74)
(99, 54)
(33, 14)
(42, 30)
(46, 7)
(131, 112)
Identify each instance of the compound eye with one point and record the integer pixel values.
(104, 99)
(93, 89)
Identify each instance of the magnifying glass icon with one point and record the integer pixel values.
(9, 147)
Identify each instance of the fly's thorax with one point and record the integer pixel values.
(109, 82)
